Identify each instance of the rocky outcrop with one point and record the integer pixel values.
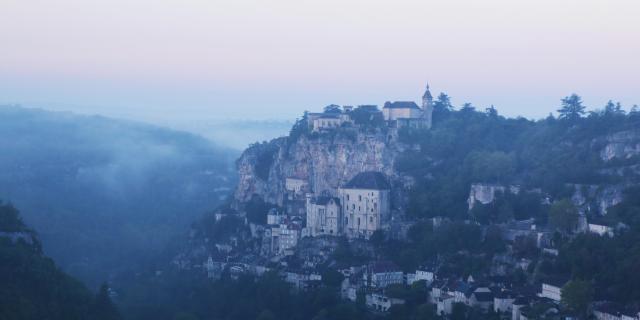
(596, 198)
(486, 193)
(621, 145)
(324, 161)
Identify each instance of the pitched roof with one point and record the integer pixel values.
(325, 200)
(372, 180)
(383, 266)
(483, 296)
(400, 105)
(557, 281)
(427, 94)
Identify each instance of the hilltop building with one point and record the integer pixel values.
(329, 119)
(408, 114)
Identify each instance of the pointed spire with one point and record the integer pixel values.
(427, 93)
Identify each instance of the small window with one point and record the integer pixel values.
(371, 219)
(359, 197)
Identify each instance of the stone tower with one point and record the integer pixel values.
(427, 106)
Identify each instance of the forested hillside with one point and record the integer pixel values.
(479, 146)
(105, 194)
(33, 288)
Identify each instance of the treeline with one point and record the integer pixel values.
(467, 146)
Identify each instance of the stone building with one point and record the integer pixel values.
(380, 302)
(328, 120)
(365, 204)
(381, 274)
(323, 216)
(296, 186)
(408, 113)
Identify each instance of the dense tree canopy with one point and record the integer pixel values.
(32, 287)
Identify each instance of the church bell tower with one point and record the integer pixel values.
(427, 107)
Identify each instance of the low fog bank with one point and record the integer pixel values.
(106, 194)
(234, 133)
(227, 129)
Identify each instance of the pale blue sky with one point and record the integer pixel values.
(193, 59)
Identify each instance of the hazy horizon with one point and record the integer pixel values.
(174, 62)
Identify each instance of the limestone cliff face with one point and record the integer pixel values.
(621, 145)
(596, 198)
(325, 161)
(486, 193)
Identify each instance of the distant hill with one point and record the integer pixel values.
(105, 194)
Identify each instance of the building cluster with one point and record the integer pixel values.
(362, 207)
(396, 114)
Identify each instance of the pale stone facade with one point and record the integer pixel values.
(601, 230)
(327, 121)
(381, 274)
(323, 216)
(365, 205)
(551, 291)
(408, 113)
(380, 302)
(361, 208)
(401, 110)
(295, 185)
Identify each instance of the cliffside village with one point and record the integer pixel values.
(310, 222)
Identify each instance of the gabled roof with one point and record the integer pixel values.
(427, 94)
(371, 180)
(323, 201)
(483, 296)
(557, 281)
(400, 105)
(383, 266)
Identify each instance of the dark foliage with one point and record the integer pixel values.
(32, 287)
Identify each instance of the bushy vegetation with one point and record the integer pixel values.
(609, 264)
(32, 286)
(468, 146)
(367, 116)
